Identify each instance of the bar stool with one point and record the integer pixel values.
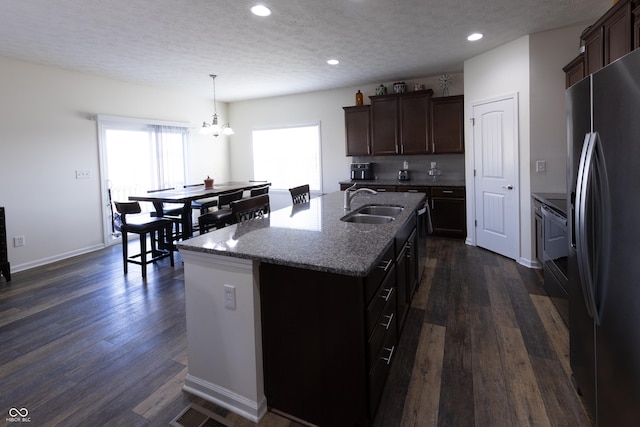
(300, 194)
(202, 205)
(223, 216)
(159, 229)
(172, 213)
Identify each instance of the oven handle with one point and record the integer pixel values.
(554, 216)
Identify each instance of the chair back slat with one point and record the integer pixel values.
(300, 194)
(259, 190)
(226, 198)
(251, 208)
(126, 208)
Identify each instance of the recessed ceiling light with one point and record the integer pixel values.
(475, 37)
(260, 10)
(333, 62)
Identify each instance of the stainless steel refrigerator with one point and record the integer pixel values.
(603, 119)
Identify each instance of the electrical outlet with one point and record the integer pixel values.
(541, 166)
(230, 297)
(83, 174)
(18, 241)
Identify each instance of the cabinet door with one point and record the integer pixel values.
(384, 125)
(617, 35)
(594, 51)
(574, 71)
(357, 130)
(448, 211)
(414, 119)
(636, 28)
(447, 124)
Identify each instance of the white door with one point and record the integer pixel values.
(495, 139)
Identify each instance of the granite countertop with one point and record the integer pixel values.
(439, 182)
(311, 235)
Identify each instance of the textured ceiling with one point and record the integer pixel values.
(178, 43)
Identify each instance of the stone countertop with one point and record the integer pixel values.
(439, 182)
(311, 235)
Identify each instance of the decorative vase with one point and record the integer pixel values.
(381, 90)
(399, 87)
(359, 100)
(208, 183)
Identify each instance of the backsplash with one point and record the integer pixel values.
(451, 166)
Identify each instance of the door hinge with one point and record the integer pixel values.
(475, 222)
(473, 121)
(474, 172)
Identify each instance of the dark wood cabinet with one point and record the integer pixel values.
(574, 71)
(328, 340)
(609, 38)
(414, 122)
(448, 211)
(636, 27)
(400, 123)
(357, 124)
(4, 259)
(379, 188)
(447, 125)
(384, 125)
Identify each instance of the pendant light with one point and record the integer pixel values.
(214, 128)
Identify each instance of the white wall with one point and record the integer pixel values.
(47, 133)
(532, 67)
(550, 51)
(324, 106)
(501, 71)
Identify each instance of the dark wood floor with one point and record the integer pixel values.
(81, 344)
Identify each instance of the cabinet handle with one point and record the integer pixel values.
(447, 191)
(381, 189)
(390, 350)
(412, 191)
(384, 265)
(433, 147)
(388, 295)
(389, 320)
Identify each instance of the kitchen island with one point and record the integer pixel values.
(300, 307)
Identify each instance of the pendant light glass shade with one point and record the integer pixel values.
(214, 128)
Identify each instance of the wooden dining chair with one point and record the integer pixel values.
(259, 190)
(250, 208)
(223, 216)
(202, 205)
(159, 230)
(300, 194)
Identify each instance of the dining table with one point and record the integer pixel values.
(189, 194)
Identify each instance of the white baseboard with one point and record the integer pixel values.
(253, 411)
(55, 258)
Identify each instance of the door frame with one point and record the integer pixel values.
(471, 169)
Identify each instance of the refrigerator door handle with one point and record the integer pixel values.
(584, 267)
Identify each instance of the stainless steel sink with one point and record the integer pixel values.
(384, 210)
(367, 218)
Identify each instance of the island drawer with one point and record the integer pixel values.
(377, 275)
(385, 323)
(385, 292)
(380, 370)
(457, 192)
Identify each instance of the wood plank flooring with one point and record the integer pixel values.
(81, 344)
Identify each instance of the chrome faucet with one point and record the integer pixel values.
(348, 195)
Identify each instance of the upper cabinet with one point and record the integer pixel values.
(357, 124)
(614, 35)
(447, 125)
(408, 123)
(400, 123)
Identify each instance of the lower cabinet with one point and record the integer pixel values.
(329, 340)
(448, 211)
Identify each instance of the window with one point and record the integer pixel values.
(288, 156)
(138, 156)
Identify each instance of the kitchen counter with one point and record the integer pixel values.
(226, 286)
(311, 235)
(439, 182)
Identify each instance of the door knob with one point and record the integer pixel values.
(508, 187)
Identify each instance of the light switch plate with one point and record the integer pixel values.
(541, 166)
